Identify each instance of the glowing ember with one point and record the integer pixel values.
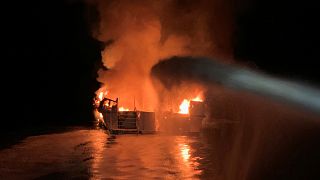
(123, 109)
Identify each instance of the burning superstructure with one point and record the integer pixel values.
(187, 119)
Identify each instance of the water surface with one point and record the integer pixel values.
(93, 154)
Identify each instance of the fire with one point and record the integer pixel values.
(184, 106)
(100, 96)
(198, 98)
(123, 109)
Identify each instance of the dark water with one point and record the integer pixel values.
(92, 154)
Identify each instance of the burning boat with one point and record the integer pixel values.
(119, 120)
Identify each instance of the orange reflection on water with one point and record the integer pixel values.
(188, 158)
(185, 149)
(98, 141)
(131, 156)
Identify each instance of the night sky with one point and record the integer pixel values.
(281, 38)
(50, 63)
(50, 59)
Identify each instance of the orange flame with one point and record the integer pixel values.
(184, 106)
(198, 98)
(123, 109)
(100, 96)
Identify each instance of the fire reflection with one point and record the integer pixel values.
(177, 157)
(98, 147)
(185, 149)
(188, 158)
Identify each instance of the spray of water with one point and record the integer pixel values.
(208, 71)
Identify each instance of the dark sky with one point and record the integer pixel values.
(50, 63)
(49, 57)
(280, 37)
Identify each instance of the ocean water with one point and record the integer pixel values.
(93, 154)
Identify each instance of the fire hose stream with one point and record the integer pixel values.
(210, 71)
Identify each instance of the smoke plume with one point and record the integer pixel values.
(142, 32)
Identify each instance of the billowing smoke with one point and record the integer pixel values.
(142, 32)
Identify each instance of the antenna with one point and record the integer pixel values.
(134, 103)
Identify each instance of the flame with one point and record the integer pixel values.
(100, 96)
(184, 106)
(198, 98)
(106, 104)
(123, 109)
